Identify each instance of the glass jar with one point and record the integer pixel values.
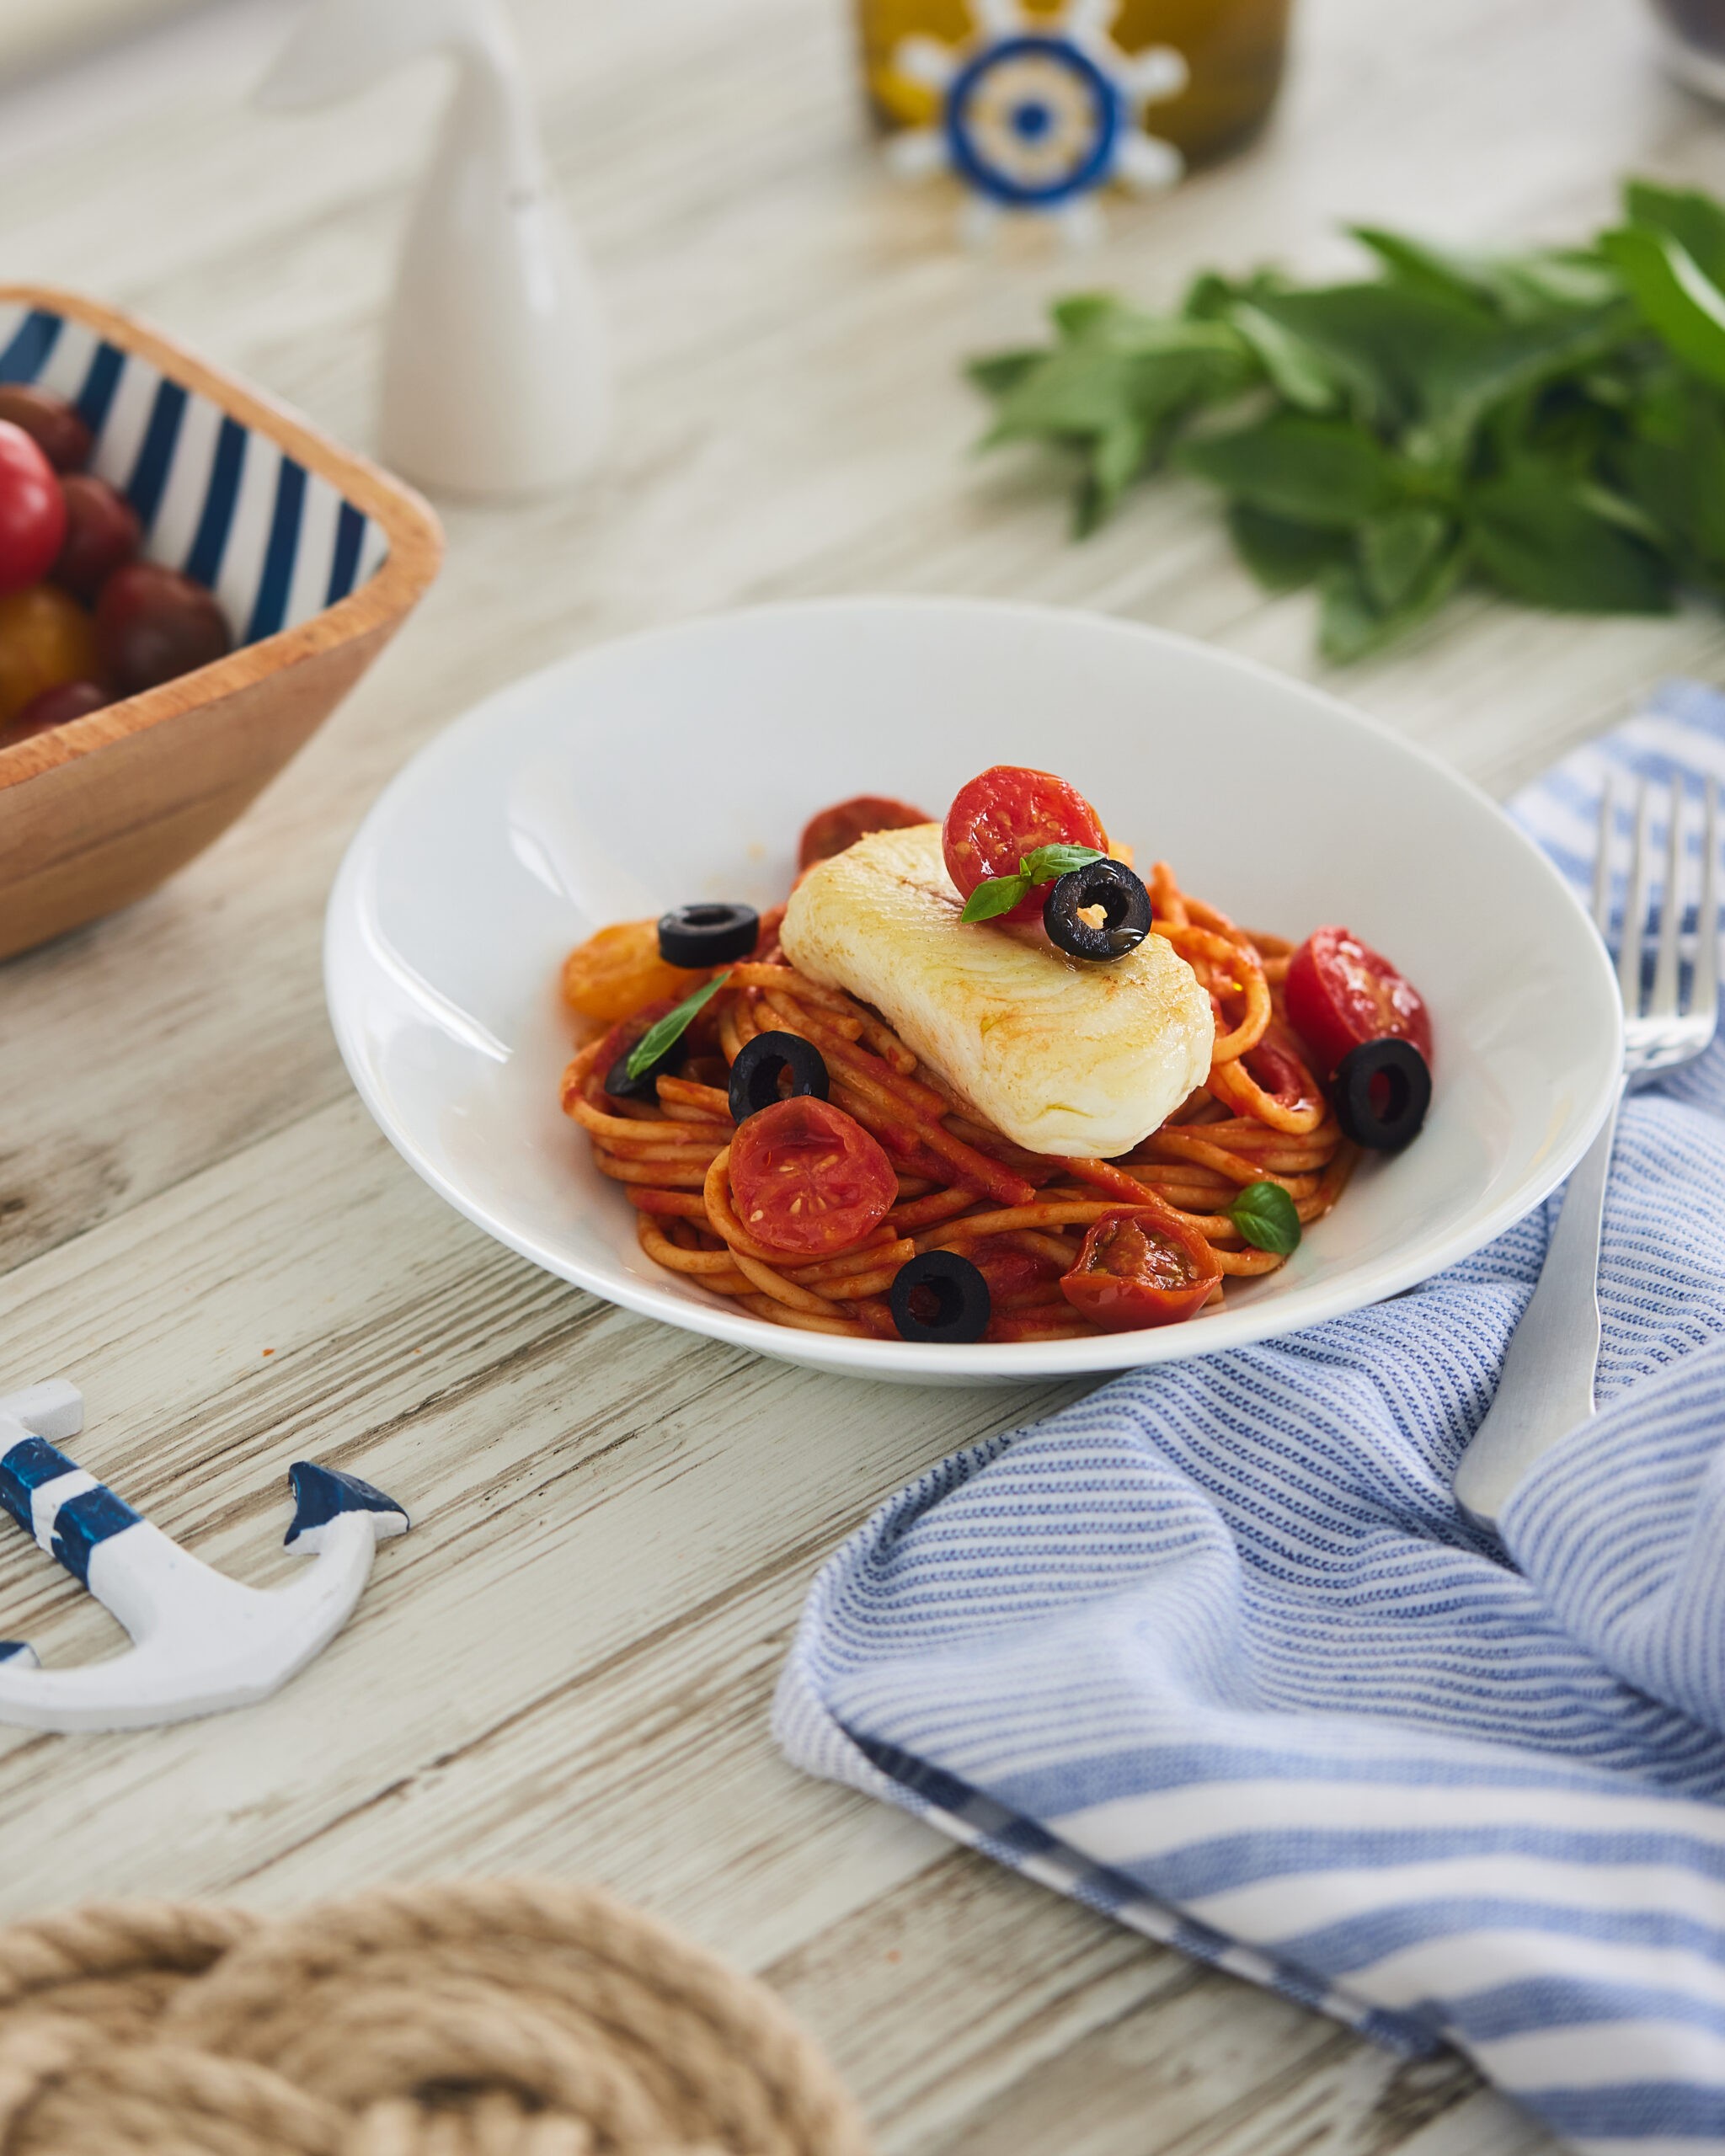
(1235, 50)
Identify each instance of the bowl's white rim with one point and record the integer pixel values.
(1263, 1319)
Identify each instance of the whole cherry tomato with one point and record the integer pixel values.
(56, 706)
(1007, 811)
(32, 510)
(1341, 992)
(152, 623)
(807, 1178)
(835, 828)
(616, 971)
(1142, 1266)
(46, 638)
(50, 422)
(101, 533)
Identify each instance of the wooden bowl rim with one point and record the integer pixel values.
(414, 533)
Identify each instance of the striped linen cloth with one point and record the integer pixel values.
(1215, 1653)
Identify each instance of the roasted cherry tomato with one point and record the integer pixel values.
(1340, 993)
(615, 971)
(1140, 1266)
(101, 534)
(32, 510)
(46, 638)
(807, 1178)
(56, 706)
(50, 422)
(1006, 813)
(152, 624)
(841, 826)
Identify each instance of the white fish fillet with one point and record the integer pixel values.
(1062, 1055)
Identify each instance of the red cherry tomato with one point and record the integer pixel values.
(50, 422)
(1138, 1267)
(1006, 813)
(1340, 993)
(56, 706)
(809, 1179)
(32, 510)
(101, 533)
(841, 825)
(152, 623)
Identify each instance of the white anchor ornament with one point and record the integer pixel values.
(202, 1642)
(1038, 113)
(495, 379)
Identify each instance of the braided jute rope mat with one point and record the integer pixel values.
(497, 2017)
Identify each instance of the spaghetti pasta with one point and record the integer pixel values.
(1261, 1116)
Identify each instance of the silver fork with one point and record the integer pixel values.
(1548, 1384)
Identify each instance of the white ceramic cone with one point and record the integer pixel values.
(495, 379)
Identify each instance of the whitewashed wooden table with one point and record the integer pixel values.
(567, 1664)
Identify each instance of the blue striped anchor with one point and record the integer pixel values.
(202, 1642)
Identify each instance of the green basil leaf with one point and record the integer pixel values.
(1000, 373)
(1383, 341)
(672, 1026)
(994, 895)
(1537, 537)
(1675, 298)
(1283, 556)
(1081, 314)
(1396, 551)
(1327, 473)
(1045, 863)
(1695, 221)
(1675, 472)
(1297, 372)
(1352, 624)
(1266, 1217)
(1116, 460)
(1520, 287)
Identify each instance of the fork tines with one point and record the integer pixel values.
(1652, 1009)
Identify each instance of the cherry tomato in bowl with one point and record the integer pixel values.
(807, 1179)
(51, 423)
(32, 510)
(102, 533)
(1006, 813)
(1342, 993)
(46, 639)
(152, 623)
(836, 828)
(56, 706)
(1140, 1267)
(618, 968)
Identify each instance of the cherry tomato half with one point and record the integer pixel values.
(841, 826)
(619, 969)
(51, 423)
(1341, 992)
(807, 1178)
(46, 638)
(32, 510)
(1007, 812)
(1138, 1267)
(56, 706)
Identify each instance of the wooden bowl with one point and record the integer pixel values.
(317, 555)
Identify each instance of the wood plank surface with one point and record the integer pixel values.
(567, 1664)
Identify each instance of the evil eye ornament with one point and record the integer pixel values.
(1039, 112)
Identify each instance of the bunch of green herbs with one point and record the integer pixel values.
(1550, 423)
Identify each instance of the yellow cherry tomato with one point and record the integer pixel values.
(46, 638)
(619, 969)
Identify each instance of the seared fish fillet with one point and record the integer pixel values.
(1062, 1055)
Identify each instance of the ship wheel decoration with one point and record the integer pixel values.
(1039, 112)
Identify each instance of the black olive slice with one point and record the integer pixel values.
(707, 935)
(761, 1064)
(1381, 1092)
(939, 1297)
(1125, 908)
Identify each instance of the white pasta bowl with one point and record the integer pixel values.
(680, 765)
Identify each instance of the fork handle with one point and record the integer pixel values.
(1548, 1384)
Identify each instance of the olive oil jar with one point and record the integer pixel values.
(1234, 50)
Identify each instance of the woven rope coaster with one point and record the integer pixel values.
(504, 2017)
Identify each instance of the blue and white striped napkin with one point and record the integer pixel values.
(1215, 1653)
